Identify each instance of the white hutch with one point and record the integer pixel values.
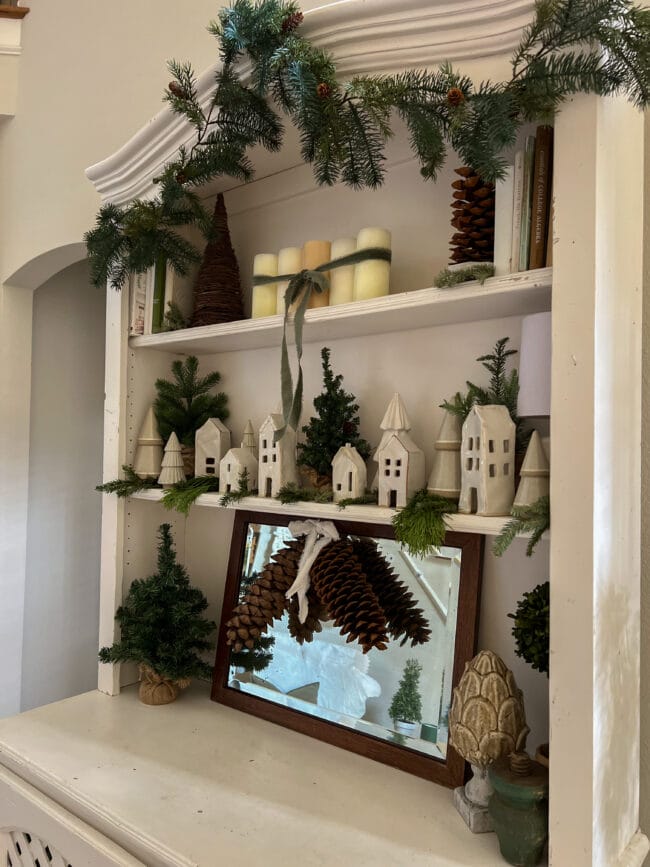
(197, 783)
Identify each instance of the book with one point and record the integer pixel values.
(148, 307)
(517, 190)
(526, 203)
(158, 297)
(138, 297)
(542, 174)
(549, 232)
(503, 206)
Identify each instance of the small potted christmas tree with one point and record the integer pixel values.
(163, 629)
(336, 424)
(406, 707)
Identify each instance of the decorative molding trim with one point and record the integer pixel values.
(635, 852)
(364, 37)
(13, 11)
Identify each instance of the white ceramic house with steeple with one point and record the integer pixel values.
(401, 462)
(487, 462)
(349, 474)
(211, 442)
(277, 461)
(235, 461)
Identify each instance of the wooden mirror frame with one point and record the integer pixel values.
(448, 772)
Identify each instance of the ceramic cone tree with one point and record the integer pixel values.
(445, 476)
(535, 482)
(172, 464)
(149, 451)
(217, 290)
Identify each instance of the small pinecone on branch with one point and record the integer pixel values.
(473, 218)
(339, 581)
(402, 615)
(265, 600)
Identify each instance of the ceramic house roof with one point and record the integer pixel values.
(241, 454)
(276, 419)
(396, 417)
(348, 452)
(492, 414)
(404, 440)
(213, 422)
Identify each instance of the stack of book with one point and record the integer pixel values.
(523, 220)
(151, 293)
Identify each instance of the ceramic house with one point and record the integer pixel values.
(535, 481)
(349, 474)
(211, 443)
(236, 461)
(487, 462)
(401, 461)
(277, 461)
(445, 476)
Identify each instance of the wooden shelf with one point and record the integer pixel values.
(198, 783)
(513, 295)
(7, 11)
(331, 512)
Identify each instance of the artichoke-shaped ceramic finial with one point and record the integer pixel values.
(487, 719)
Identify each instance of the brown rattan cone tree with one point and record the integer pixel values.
(473, 218)
(217, 289)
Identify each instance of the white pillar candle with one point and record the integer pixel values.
(315, 253)
(342, 279)
(289, 262)
(372, 278)
(264, 265)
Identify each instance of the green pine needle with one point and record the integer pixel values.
(292, 493)
(370, 498)
(181, 495)
(129, 485)
(420, 526)
(531, 630)
(407, 701)
(243, 490)
(532, 520)
(446, 279)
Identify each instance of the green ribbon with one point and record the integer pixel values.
(302, 285)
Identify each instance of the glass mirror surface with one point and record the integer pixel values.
(334, 680)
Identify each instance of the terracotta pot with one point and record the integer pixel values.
(156, 689)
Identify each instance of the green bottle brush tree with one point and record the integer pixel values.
(406, 705)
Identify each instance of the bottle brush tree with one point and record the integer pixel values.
(184, 405)
(335, 424)
(407, 701)
(163, 626)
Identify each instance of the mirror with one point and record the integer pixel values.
(328, 686)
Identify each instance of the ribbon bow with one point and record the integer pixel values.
(319, 534)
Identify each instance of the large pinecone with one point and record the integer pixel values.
(397, 601)
(473, 218)
(339, 581)
(317, 612)
(265, 600)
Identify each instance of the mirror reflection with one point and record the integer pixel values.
(332, 679)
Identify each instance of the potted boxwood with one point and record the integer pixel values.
(532, 637)
(406, 707)
(163, 629)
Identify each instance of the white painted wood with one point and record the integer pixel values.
(635, 852)
(111, 574)
(512, 295)
(198, 783)
(363, 37)
(595, 478)
(25, 809)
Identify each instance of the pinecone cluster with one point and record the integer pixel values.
(351, 584)
(473, 218)
(217, 290)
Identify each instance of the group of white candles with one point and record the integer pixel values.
(369, 279)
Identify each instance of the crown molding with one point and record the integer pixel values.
(364, 37)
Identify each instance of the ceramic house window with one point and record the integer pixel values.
(506, 446)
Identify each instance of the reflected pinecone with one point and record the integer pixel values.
(339, 581)
(397, 601)
(473, 218)
(265, 600)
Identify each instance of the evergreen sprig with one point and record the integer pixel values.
(570, 46)
(531, 629)
(184, 405)
(293, 493)
(243, 490)
(257, 658)
(183, 494)
(162, 622)
(532, 520)
(447, 278)
(129, 485)
(420, 526)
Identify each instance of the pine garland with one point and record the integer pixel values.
(420, 526)
(242, 491)
(129, 485)
(532, 520)
(292, 493)
(446, 278)
(181, 495)
(571, 46)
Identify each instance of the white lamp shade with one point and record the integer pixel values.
(535, 366)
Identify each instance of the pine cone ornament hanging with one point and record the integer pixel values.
(455, 97)
(324, 90)
(265, 600)
(174, 88)
(473, 218)
(338, 579)
(397, 601)
(292, 22)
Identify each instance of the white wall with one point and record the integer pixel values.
(65, 460)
